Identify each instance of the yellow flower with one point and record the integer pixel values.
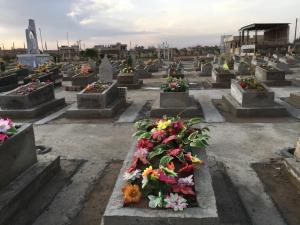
(196, 160)
(163, 124)
(132, 193)
(147, 171)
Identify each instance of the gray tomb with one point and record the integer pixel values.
(105, 70)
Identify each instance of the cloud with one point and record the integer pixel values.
(179, 22)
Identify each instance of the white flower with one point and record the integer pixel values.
(155, 201)
(132, 176)
(5, 125)
(175, 202)
(188, 181)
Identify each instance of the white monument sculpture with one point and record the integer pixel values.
(33, 58)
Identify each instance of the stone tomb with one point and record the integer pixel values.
(8, 82)
(206, 69)
(271, 76)
(280, 66)
(221, 79)
(176, 103)
(206, 212)
(31, 105)
(252, 103)
(22, 174)
(129, 80)
(242, 68)
(97, 105)
(79, 81)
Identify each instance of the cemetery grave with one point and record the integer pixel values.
(129, 78)
(175, 100)
(271, 76)
(221, 77)
(30, 101)
(250, 98)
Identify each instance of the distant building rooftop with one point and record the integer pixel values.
(263, 26)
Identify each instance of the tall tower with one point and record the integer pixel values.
(31, 38)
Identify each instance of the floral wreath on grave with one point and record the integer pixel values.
(251, 83)
(97, 87)
(175, 85)
(161, 171)
(7, 129)
(29, 88)
(85, 69)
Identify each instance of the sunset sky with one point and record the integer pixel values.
(143, 22)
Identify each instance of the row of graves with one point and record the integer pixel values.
(12, 78)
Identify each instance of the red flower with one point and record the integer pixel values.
(174, 152)
(173, 85)
(186, 168)
(186, 190)
(171, 166)
(243, 84)
(3, 137)
(167, 179)
(169, 139)
(133, 165)
(158, 135)
(188, 156)
(172, 131)
(144, 143)
(178, 126)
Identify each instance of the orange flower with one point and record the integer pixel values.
(132, 193)
(147, 171)
(154, 174)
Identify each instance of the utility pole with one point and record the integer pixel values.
(68, 45)
(296, 26)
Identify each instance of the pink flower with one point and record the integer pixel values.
(175, 202)
(186, 190)
(178, 126)
(142, 154)
(5, 125)
(3, 137)
(174, 152)
(158, 135)
(165, 178)
(169, 139)
(144, 143)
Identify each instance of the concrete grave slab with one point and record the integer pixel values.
(205, 214)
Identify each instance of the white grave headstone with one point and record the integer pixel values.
(105, 70)
(297, 151)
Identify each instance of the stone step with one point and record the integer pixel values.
(18, 193)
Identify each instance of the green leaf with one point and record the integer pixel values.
(146, 135)
(193, 136)
(138, 133)
(165, 160)
(180, 157)
(12, 130)
(156, 152)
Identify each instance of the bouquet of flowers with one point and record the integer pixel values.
(251, 83)
(175, 85)
(30, 87)
(7, 129)
(85, 69)
(162, 167)
(127, 70)
(97, 87)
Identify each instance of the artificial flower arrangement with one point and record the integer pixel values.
(85, 69)
(223, 69)
(175, 85)
(7, 129)
(175, 69)
(251, 84)
(42, 69)
(128, 70)
(29, 88)
(97, 87)
(161, 172)
(19, 66)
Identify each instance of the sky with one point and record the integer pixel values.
(181, 23)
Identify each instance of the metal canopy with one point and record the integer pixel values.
(263, 26)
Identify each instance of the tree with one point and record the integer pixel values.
(91, 53)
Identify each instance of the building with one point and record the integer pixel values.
(266, 38)
(69, 53)
(116, 51)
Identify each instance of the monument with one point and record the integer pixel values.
(105, 70)
(33, 58)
